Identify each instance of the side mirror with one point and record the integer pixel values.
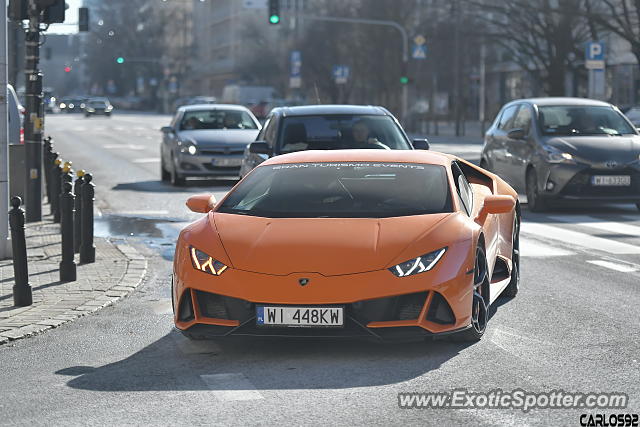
(495, 205)
(166, 129)
(516, 134)
(259, 147)
(201, 203)
(421, 144)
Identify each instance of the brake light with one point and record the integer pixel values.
(21, 135)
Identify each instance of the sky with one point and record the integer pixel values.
(70, 19)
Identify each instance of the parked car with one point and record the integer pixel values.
(565, 149)
(16, 117)
(326, 127)
(98, 106)
(206, 140)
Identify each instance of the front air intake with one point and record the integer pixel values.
(440, 311)
(185, 309)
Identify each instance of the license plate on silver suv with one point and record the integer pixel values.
(227, 161)
(322, 317)
(611, 180)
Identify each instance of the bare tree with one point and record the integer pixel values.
(620, 17)
(543, 37)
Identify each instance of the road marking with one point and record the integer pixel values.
(581, 239)
(231, 387)
(147, 160)
(610, 226)
(125, 146)
(532, 248)
(613, 266)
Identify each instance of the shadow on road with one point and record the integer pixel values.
(176, 363)
(163, 187)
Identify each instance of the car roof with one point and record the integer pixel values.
(329, 109)
(562, 100)
(213, 107)
(395, 156)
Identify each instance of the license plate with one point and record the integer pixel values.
(227, 162)
(611, 180)
(325, 317)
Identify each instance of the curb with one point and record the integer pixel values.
(135, 272)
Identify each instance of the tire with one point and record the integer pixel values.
(87, 115)
(638, 205)
(514, 284)
(479, 307)
(164, 175)
(176, 179)
(534, 201)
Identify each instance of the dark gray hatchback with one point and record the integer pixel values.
(558, 149)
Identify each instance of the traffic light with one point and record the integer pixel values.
(67, 69)
(404, 80)
(274, 12)
(54, 12)
(120, 60)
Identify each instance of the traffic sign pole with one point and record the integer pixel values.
(5, 248)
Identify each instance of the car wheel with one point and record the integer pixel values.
(176, 179)
(535, 202)
(164, 175)
(514, 284)
(87, 115)
(479, 302)
(638, 205)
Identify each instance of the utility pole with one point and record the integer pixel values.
(5, 251)
(483, 83)
(35, 116)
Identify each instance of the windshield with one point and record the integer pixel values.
(341, 190)
(340, 132)
(582, 120)
(217, 119)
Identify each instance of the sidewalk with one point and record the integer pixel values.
(118, 270)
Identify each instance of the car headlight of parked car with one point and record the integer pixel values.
(203, 262)
(418, 265)
(557, 156)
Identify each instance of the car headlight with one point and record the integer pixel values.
(91, 110)
(188, 147)
(109, 108)
(556, 156)
(63, 105)
(418, 265)
(205, 263)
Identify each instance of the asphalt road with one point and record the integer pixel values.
(573, 327)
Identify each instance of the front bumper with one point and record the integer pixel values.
(377, 304)
(573, 182)
(204, 165)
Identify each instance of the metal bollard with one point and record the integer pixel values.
(87, 248)
(22, 295)
(48, 152)
(77, 216)
(56, 171)
(67, 265)
(65, 176)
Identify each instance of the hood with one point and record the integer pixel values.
(328, 246)
(219, 137)
(599, 149)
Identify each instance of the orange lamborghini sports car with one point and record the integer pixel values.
(349, 243)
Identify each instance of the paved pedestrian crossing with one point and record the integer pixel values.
(610, 241)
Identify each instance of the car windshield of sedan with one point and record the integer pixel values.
(582, 120)
(331, 132)
(341, 190)
(216, 119)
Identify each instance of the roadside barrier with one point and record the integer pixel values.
(22, 295)
(77, 216)
(87, 248)
(56, 171)
(67, 265)
(48, 162)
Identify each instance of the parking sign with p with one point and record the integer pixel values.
(594, 55)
